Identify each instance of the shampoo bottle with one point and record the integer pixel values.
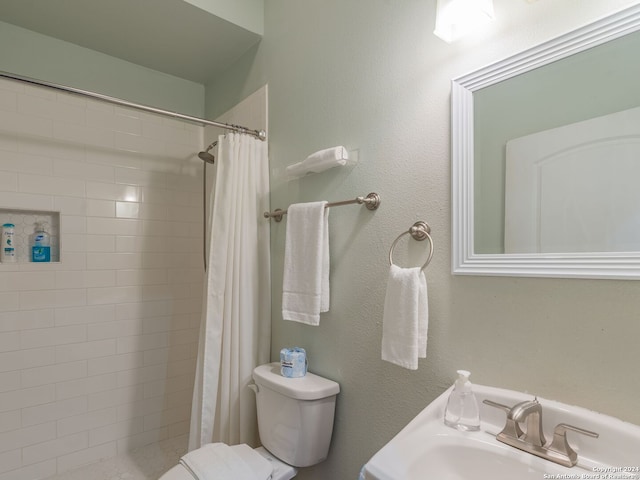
(8, 252)
(40, 245)
(462, 411)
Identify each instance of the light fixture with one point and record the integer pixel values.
(455, 18)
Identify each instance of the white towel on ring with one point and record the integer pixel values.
(305, 285)
(406, 317)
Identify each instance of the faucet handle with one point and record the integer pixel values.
(491, 403)
(560, 444)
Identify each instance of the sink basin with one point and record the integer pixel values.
(428, 449)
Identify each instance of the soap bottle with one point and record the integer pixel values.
(8, 251)
(462, 411)
(40, 245)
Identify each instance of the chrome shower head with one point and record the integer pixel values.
(206, 156)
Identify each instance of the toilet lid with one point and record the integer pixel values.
(260, 465)
(256, 462)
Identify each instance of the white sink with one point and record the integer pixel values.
(427, 449)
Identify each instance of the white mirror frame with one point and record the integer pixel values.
(579, 265)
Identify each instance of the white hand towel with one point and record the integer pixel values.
(319, 162)
(217, 461)
(406, 317)
(305, 286)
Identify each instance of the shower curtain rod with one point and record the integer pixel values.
(261, 134)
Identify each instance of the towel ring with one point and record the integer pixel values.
(419, 231)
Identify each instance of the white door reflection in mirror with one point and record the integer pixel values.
(549, 208)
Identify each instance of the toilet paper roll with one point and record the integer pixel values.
(293, 362)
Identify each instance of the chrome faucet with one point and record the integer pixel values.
(529, 412)
(532, 440)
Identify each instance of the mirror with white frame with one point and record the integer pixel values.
(546, 158)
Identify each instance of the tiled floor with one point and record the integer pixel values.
(145, 463)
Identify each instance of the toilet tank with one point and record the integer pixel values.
(295, 415)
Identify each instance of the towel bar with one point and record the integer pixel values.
(418, 231)
(371, 201)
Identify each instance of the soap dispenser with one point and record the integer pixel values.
(462, 411)
(40, 245)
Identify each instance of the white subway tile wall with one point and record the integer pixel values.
(97, 352)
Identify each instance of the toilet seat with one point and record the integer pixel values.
(253, 458)
(281, 470)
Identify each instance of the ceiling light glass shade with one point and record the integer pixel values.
(455, 18)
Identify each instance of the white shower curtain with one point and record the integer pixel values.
(235, 331)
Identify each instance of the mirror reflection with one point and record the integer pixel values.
(557, 156)
(544, 153)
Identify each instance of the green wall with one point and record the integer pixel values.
(38, 56)
(248, 14)
(370, 75)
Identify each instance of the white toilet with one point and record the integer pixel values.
(295, 422)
